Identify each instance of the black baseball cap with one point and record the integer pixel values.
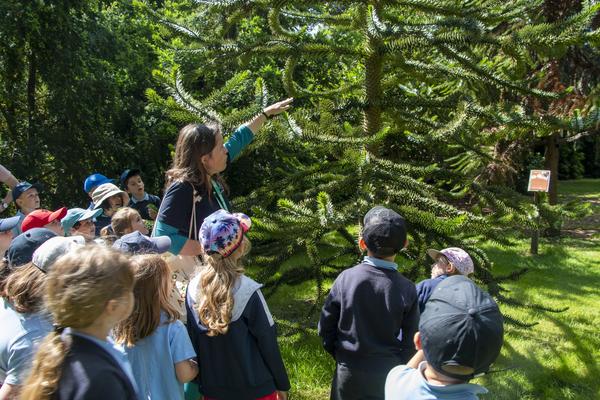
(22, 247)
(22, 187)
(461, 329)
(384, 231)
(128, 173)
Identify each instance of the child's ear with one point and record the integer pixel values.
(417, 340)
(450, 269)
(405, 243)
(362, 245)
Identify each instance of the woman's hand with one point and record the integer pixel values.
(274, 109)
(279, 107)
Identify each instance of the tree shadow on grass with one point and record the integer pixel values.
(551, 363)
(532, 375)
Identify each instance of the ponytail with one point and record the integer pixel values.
(78, 287)
(47, 367)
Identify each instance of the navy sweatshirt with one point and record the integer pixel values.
(369, 318)
(245, 363)
(425, 290)
(90, 373)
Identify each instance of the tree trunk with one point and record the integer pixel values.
(555, 10)
(373, 73)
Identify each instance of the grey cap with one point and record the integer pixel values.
(45, 255)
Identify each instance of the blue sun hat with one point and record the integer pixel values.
(223, 232)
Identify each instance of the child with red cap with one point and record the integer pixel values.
(45, 219)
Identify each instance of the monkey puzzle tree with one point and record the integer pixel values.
(399, 103)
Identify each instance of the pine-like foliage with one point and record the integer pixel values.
(398, 103)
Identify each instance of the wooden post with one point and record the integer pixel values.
(535, 234)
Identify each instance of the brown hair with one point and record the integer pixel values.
(193, 142)
(78, 287)
(151, 292)
(24, 288)
(4, 272)
(215, 289)
(121, 222)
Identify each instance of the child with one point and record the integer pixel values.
(27, 198)
(6, 234)
(44, 219)
(146, 204)
(159, 348)
(24, 324)
(80, 222)
(109, 198)
(127, 220)
(460, 336)
(230, 325)
(371, 313)
(88, 292)
(91, 183)
(448, 262)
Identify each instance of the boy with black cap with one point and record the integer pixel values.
(371, 313)
(27, 199)
(460, 336)
(146, 204)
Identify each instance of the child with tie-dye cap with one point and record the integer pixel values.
(229, 322)
(447, 262)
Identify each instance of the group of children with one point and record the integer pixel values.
(87, 320)
(396, 341)
(89, 309)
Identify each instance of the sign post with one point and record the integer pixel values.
(539, 181)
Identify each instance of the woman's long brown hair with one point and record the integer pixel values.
(193, 142)
(78, 287)
(151, 292)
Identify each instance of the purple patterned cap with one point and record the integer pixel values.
(223, 232)
(459, 258)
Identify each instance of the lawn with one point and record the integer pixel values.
(558, 358)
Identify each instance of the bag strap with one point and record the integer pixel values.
(193, 225)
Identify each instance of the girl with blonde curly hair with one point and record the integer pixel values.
(229, 322)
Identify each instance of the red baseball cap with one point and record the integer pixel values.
(41, 218)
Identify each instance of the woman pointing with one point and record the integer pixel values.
(194, 187)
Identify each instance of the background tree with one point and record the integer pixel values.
(72, 81)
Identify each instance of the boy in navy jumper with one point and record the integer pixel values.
(371, 313)
(146, 204)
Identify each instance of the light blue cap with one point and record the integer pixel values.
(75, 215)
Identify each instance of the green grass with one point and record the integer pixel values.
(558, 358)
(582, 188)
